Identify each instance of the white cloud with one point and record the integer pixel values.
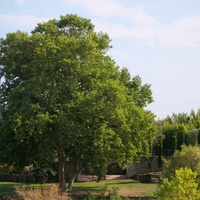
(163, 96)
(180, 33)
(122, 31)
(134, 23)
(21, 2)
(107, 8)
(138, 24)
(20, 20)
(183, 32)
(122, 54)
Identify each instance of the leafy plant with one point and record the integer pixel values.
(188, 156)
(114, 195)
(104, 193)
(182, 186)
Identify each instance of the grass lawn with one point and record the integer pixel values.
(7, 188)
(127, 187)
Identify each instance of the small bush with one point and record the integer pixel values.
(188, 156)
(182, 186)
(47, 193)
(98, 195)
(90, 196)
(101, 195)
(114, 194)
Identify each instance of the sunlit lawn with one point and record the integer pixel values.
(8, 188)
(147, 189)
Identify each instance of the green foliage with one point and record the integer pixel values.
(63, 98)
(113, 194)
(102, 194)
(90, 196)
(176, 130)
(182, 186)
(174, 136)
(188, 156)
(192, 137)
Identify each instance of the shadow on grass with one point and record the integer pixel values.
(7, 188)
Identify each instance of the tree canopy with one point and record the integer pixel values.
(63, 97)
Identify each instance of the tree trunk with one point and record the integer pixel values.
(72, 179)
(61, 163)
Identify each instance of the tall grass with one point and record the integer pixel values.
(44, 193)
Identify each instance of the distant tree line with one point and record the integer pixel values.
(176, 130)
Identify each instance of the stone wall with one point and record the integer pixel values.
(145, 165)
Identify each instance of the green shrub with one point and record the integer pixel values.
(113, 195)
(103, 194)
(182, 186)
(188, 156)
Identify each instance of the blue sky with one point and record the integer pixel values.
(158, 40)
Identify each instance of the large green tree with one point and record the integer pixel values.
(62, 94)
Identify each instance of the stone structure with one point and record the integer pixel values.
(145, 165)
